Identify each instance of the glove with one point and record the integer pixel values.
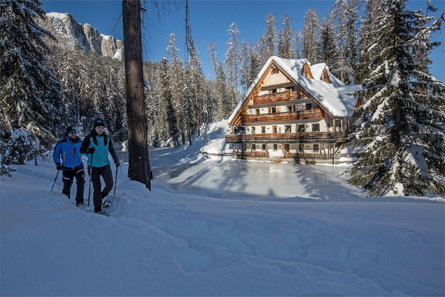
(59, 166)
(118, 164)
(91, 150)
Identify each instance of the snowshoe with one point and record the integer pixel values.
(106, 203)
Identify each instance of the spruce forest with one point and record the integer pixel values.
(379, 44)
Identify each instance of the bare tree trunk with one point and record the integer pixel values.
(139, 163)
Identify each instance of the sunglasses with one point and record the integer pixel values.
(100, 122)
(73, 132)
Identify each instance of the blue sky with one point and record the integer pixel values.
(210, 20)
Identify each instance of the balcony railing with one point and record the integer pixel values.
(287, 137)
(283, 116)
(277, 97)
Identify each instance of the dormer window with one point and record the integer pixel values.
(325, 76)
(306, 71)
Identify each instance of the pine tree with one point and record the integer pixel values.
(167, 102)
(255, 64)
(310, 33)
(367, 37)
(328, 49)
(223, 88)
(198, 89)
(29, 91)
(268, 39)
(245, 66)
(188, 96)
(232, 60)
(219, 85)
(298, 46)
(351, 27)
(176, 83)
(402, 133)
(285, 49)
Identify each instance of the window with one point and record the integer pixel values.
(274, 129)
(315, 127)
(254, 146)
(263, 129)
(308, 106)
(257, 111)
(275, 71)
(264, 146)
(274, 110)
(287, 128)
(253, 130)
(301, 128)
(273, 91)
(315, 147)
(337, 125)
(275, 147)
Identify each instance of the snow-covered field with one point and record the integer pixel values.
(219, 227)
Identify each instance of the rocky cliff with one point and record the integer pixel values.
(72, 35)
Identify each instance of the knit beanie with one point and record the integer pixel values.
(99, 122)
(69, 129)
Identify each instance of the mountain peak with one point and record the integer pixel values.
(73, 35)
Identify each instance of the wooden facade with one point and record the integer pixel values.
(281, 119)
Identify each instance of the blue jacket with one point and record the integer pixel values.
(70, 153)
(102, 148)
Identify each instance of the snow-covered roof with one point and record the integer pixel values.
(317, 70)
(334, 97)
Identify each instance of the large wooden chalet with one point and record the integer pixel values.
(293, 110)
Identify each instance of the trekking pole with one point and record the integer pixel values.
(90, 169)
(115, 180)
(55, 179)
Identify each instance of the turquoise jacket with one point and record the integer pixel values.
(103, 145)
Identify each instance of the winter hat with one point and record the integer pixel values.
(99, 122)
(69, 129)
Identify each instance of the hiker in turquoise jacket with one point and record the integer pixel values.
(97, 145)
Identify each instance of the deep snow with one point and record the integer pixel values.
(217, 226)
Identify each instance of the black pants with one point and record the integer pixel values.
(99, 194)
(68, 177)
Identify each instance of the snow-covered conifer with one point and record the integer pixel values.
(402, 132)
(345, 14)
(176, 82)
(232, 61)
(285, 49)
(29, 92)
(268, 39)
(328, 49)
(167, 102)
(310, 33)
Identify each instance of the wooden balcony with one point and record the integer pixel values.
(332, 137)
(282, 116)
(277, 97)
(249, 154)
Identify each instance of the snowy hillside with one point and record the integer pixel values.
(216, 227)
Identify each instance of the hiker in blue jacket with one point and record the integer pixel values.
(97, 145)
(67, 158)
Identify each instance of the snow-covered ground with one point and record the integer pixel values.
(219, 227)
